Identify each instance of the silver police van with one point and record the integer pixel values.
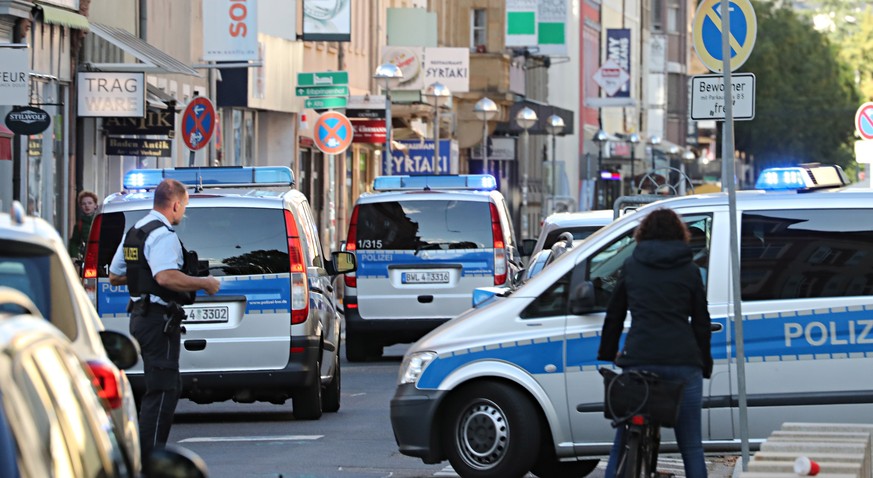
(512, 385)
(273, 330)
(423, 244)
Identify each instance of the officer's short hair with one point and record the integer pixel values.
(168, 191)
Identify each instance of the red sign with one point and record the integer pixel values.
(333, 133)
(369, 131)
(198, 123)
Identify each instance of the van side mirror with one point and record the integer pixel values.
(341, 262)
(121, 349)
(582, 298)
(527, 247)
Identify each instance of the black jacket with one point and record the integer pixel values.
(662, 288)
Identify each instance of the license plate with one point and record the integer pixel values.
(425, 278)
(207, 314)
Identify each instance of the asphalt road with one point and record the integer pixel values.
(264, 440)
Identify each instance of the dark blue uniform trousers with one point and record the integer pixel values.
(160, 356)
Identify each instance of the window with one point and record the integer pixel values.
(657, 21)
(552, 302)
(799, 254)
(252, 240)
(424, 225)
(673, 17)
(478, 28)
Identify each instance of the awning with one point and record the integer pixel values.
(157, 99)
(5, 143)
(59, 16)
(153, 60)
(543, 111)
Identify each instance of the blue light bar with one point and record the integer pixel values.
(469, 182)
(801, 178)
(231, 176)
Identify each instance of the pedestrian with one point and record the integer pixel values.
(662, 288)
(87, 202)
(151, 261)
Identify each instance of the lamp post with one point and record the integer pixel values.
(388, 75)
(633, 139)
(554, 126)
(485, 110)
(654, 141)
(600, 137)
(687, 157)
(439, 93)
(525, 118)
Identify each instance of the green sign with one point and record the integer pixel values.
(323, 91)
(327, 78)
(325, 103)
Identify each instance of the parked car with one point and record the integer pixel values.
(272, 332)
(52, 423)
(423, 243)
(525, 364)
(580, 224)
(34, 261)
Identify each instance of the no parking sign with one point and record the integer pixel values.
(864, 121)
(333, 133)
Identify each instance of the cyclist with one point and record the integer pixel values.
(662, 288)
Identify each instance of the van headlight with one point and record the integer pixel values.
(413, 365)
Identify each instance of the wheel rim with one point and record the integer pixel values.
(483, 435)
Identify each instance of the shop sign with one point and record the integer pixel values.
(28, 120)
(368, 131)
(14, 76)
(153, 148)
(230, 30)
(104, 94)
(158, 123)
(449, 66)
(34, 146)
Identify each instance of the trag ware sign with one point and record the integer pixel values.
(104, 94)
(14, 77)
(230, 30)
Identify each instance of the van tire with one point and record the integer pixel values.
(306, 402)
(330, 397)
(488, 428)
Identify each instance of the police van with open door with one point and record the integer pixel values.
(521, 369)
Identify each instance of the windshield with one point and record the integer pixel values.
(424, 225)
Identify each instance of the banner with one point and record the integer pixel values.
(618, 49)
(230, 30)
(521, 23)
(14, 79)
(552, 27)
(327, 20)
(368, 131)
(449, 66)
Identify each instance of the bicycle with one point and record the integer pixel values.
(641, 402)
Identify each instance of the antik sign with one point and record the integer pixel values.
(111, 94)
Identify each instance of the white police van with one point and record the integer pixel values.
(423, 244)
(485, 390)
(273, 330)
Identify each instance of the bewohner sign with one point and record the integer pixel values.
(111, 94)
(28, 120)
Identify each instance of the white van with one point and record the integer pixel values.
(484, 390)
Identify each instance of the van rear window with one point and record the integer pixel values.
(424, 225)
(235, 241)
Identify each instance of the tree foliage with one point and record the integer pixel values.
(806, 97)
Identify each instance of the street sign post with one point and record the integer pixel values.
(864, 121)
(322, 91)
(198, 124)
(325, 103)
(333, 133)
(706, 31)
(327, 78)
(708, 98)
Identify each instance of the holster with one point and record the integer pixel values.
(173, 321)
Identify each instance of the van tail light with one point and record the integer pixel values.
(107, 382)
(500, 265)
(91, 254)
(299, 282)
(352, 246)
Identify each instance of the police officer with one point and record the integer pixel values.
(150, 260)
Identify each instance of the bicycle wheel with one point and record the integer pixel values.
(648, 453)
(629, 462)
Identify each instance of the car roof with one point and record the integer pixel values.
(31, 229)
(263, 197)
(764, 200)
(599, 217)
(429, 195)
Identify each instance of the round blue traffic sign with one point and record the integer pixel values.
(864, 121)
(198, 123)
(707, 32)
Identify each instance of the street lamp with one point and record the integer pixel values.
(600, 137)
(525, 118)
(554, 126)
(654, 141)
(388, 75)
(633, 139)
(440, 94)
(485, 110)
